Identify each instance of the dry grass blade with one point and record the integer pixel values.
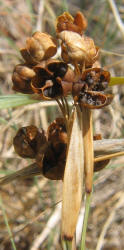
(73, 179)
(108, 146)
(31, 170)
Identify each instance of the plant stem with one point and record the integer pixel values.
(107, 157)
(63, 110)
(87, 207)
(116, 80)
(88, 164)
(67, 106)
(88, 148)
(69, 245)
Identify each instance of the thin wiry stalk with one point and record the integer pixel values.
(107, 157)
(67, 107)
(7, 224)
(62, 108)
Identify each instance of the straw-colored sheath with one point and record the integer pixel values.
(73, 179)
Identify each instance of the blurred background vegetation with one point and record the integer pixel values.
(30, 204)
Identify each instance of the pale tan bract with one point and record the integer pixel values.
(73, 178)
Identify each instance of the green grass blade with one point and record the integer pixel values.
(7, 224)
(12, 101)
(67, 245)
(87, 207)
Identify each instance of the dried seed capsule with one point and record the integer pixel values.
(53, 164)
(28, 141)
(53, 161)
(27, 57)
(97, 79)
(40, 46)
(94, 99)
(88, 90)
(78, 49)
(52, 79)
(57, 133)
(80, 21)
(100, 165)
(67, 22)
(21, 78)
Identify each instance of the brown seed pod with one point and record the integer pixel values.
(54, 164)
(88, 90)
(27, 57)
(100, 165)
(97, 79)
(94, 99)
(80, 21)
(52, 79)
(57, 133)
(21, 78)
(67, 22)
(28, 141)
(53, 161)
(40, 46)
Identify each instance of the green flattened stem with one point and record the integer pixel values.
(116, 80)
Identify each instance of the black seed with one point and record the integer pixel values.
(102, 78)
(89, 80)
(60, 72)
(48, 92)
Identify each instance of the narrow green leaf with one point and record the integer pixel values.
(116, 80)
(67, 245)
(11, 101)
(87, 208)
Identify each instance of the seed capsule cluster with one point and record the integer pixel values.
(54, 78)
(48, 149)
(76, 73)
